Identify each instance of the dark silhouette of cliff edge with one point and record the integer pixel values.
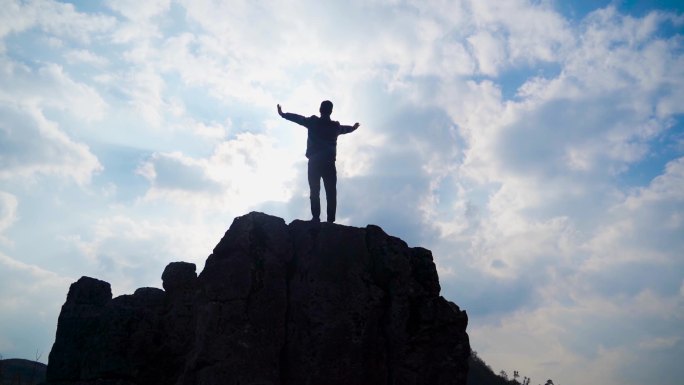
(299, 304)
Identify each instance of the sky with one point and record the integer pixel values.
(536, 147)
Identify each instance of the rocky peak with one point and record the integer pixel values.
(304, 303)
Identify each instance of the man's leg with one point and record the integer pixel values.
(314, 175)
(330, 182)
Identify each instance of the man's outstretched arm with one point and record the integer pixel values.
(292, 117)
(348, 129)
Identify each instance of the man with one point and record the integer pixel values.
(321, 149)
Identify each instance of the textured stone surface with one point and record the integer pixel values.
(298, 304)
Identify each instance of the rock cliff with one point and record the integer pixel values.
(297, 304)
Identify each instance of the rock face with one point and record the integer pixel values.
(298, 304)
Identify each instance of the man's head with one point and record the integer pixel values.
(326, 108)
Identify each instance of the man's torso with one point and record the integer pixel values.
(321, 143)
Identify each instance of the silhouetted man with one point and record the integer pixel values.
(321, 149)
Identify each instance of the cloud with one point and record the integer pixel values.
(46, 87)
(130, 252)
(611, 298)
(586, 336)
(550, 157)
(29, 306)
(8, 213)
(546, 225)
(645, 227)
(529, 32)
(240, 173)
(145, 90)
(582, 121)
(87, 57)
(31, 145)
(173, 171)
(134, 10)
(56, 18)
(489, 52)
(665, 187)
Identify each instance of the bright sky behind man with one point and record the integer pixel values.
(536, 147)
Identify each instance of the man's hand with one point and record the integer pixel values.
(356, 125)
(280, 111)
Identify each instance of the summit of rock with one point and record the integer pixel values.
(299, 304)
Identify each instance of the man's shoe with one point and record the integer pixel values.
(316, 220)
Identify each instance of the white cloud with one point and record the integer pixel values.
(87, 57)
(138, 27)
(585, 339)
(602, 302)
(252, 164)
(59, 19)
(644, 226)
(553, 216)
(669, 186)
(41, 278)
(48, 86)
(530, 32)
(30, 298)
(174, 171)
(212, 130)
(240, 173)
(146, 90)
(660, 342)
(130, 252)
(32, 145)
(555, 153)
(8, 213)
(138, 11)
(489, 52)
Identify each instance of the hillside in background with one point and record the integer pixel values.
(16, 371)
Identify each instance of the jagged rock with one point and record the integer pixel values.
(240, 328)
(77, 326)
(179, 277)
(304, 303)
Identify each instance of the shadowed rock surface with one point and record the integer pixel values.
(298, 304)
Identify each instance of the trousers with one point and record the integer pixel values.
(317, 170)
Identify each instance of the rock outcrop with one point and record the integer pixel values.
(298, 304)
